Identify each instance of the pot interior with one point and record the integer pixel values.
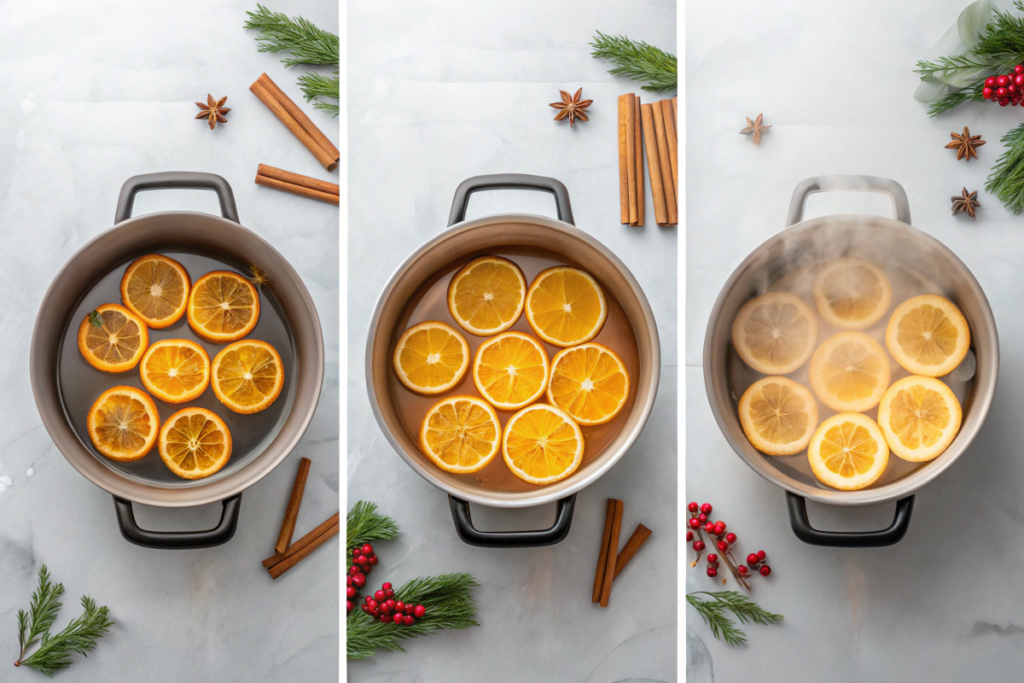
(915, 264)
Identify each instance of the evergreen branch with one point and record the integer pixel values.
(307, 43)
(449, 604)
(638, 61)
(365, 525)
(316, 85)
(1007, 178)
(42, 612)
(713, 612)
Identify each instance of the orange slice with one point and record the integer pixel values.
(431, 358)
(542, 444)
(155, 288)
(223, 307)
(460, 434)
(852, 294)
(487, 295)
(775, 333)
(919, 417)
(112, 338)
(248, 376)
(848, 452)
(778, 415)
(195, 443)
(565, 306)
(928, 335)
(590, 382)
(849, 372)
(175, 370)
(123, 423)
(511, 370)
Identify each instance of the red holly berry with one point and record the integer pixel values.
(400, 606)
(386, 585)
(706, 508)
(766, 570)
(386, 619)
(730, 537)
(712, 558)
(1002, 81)
(694, 523)
(390, 593)
(353, 570)
(348, 605)
(702, 517)
(698, 545)
(990, 82)
(398, 618)
(379, 596)
(350, 592)
(723, 546)
(752, 559)
(420, 611)
(348, 579)
(693, 507)
(761, 555)
(986, 93)
(712, 572)
(742, 569)
(409, 609)
(371, 604)
(1001, 91)
(408, 620)
(386, 608)
(373, 560)
(1019, 69)
(1003, 102)
(689, 536)
(367, 549)
(391, 603)
(709, 527)
(359, 580)
(719, 528)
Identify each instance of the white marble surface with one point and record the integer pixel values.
(835, 81)
(438, 92)
(90, 94)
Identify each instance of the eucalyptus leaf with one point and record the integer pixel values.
(956, 41)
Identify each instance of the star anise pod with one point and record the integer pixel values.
(213, 110)
(754, 128)
(572, 107)
(965, 202)
(965, 145)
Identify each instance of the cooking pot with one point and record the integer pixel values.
(461, 240)
(902, 246)
(257, 449)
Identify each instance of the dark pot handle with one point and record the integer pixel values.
(849, 539)
(512, 539)
(510, 181)
(179, 540)
(175, 180)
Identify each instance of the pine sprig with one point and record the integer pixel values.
(1007, 178)
(316, 85)
(79, 636)
(638, 61)
(449, 604)
(365, 525)
(713, 612)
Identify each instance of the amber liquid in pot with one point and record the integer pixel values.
(430, 302)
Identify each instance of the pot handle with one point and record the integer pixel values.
(849, 183)
(848, 539)
(510, 181)
(179, 540)
(175, 180)
(512, 539)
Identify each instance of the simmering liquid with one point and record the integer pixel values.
(430, 302)
(81, 384)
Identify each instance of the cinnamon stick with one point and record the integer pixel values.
(326, 158)
(613, 544)
(291, 559)
(602, 558)
(623, 162)
(653, 166)
(664, 163)
(673, 144)
(630, 157)
(301, 118)
(638, 538)
(303, 542)
(301, 185)
(640, 195)
(291, 513)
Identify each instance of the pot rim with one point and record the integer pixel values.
(574, 483)
(981, 401)
(112, 482)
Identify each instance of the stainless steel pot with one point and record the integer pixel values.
(469, 237)
(804, 242)
(220, 238)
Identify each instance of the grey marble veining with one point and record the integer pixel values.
(90, 94)
(439, 92)
(836, 81)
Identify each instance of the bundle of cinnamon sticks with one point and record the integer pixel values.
(611, 561)
(296, 121)
(302, 185)
(651, 128)
(287, 554)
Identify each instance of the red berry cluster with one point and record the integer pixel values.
(716, 532)
(1005, 89)
(363, 560)
(382, 605)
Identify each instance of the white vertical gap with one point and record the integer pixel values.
(681, 511)
(342, 330)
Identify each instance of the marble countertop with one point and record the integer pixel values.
(91, 94)
(440, 92)
(835, 80)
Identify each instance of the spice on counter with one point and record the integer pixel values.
(661, 215)
(966, 144)
(602, 557)
(628, 195)
(213, 110)
(671, 135)
(291, 512)
(664, 163)
(278, 564)
(296, 121)
(638, 538)
(301, 185)
(572, 107)
(638, 162)
(966, 202)
(613, 544)
(754, 128)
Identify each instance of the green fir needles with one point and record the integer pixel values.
(713, 612)
(307, 44)
(1007, 178)
(54, 652)
(639, 61)
(365, 525)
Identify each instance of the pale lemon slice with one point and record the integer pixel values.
(778, 415)
(511, 370)
(175, 370)
(156, 289)
(123, 423)
(195, 443)
(542, 444)
(928, 335)
(848, 452)
(590, 382)
(919, 417)
(112, 339)
(852, 294)
(460, 434)
(775, 333)
(849, 372)
(248, 376)
(487, 295)
(565, 306)
(431, 358)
